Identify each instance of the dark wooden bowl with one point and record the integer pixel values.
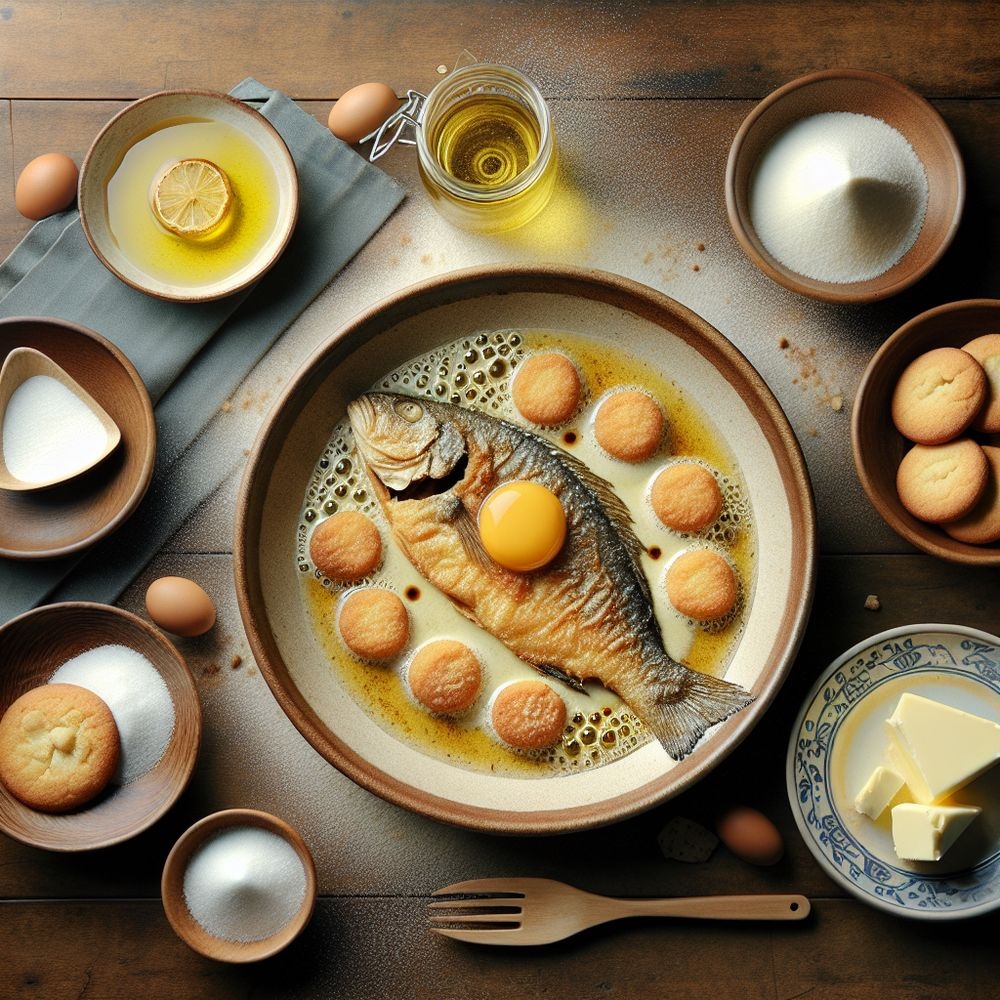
(879, 447)
(63, 519)
(172, 888)
(32, 647)
(869, 94)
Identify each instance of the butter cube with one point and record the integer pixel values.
(924, 833)
(879, 790)
(937, 748)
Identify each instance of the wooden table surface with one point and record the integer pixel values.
(646, 98)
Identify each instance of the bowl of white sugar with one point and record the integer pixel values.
(844, 185)
(148, 688)
(239, 885)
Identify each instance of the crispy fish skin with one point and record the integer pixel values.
(588, 613)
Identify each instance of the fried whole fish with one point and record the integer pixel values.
(586, 615)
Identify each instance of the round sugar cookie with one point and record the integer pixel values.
(346, 546)
(373, 623)
(701, 584)
(942, 482)
(629, 425)
(686, 497)
(528, 715)
(59, 747)
(981, 526)
(938, 395)
(445, 676)
(546, 389)
(986, 350)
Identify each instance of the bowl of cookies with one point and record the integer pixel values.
(926, 431)
(100, 725)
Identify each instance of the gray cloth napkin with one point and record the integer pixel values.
(191, 356)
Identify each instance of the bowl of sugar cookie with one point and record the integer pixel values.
(100, 726)
(844, 185)
(926, 431)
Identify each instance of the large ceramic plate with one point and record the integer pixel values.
(839, 737)
(610, 314)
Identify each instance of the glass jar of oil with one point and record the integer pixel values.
(486, 150)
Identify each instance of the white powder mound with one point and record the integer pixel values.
(838, 197)
(244, 884)
(138, 698)
(48, 432)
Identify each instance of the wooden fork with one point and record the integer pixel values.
(525, 911)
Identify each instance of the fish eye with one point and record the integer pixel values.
(410, 411)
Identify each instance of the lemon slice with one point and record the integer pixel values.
(191, 197)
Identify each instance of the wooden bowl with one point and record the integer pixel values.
(32, 647)
(138, 121)
(879, 447)
(611, 315)
(879, 97)
(172, 888)
(68, 517)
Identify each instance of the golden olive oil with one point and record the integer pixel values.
(225, 249)
(487, 140)
(486, 150)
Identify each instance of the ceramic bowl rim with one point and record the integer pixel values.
(448, 289)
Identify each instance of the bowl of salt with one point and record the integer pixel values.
(239, 885)
(845, 186)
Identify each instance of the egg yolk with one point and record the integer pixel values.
(522, 525)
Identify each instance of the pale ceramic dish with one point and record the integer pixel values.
(879, 447)
(32, 647)
(68, 517)
(22, 364)
(172, 888)
(864, 93)
(137, 121)
(838, 739)
(605, 309)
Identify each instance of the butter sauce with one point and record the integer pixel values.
(476, 371)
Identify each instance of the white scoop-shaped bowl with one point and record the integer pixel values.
(20, 365)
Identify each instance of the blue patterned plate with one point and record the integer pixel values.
(839, 738)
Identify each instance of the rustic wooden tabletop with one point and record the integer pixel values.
(646, 98)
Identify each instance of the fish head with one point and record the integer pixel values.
(404, 441)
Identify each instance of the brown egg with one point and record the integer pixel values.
(46, 185)
(180, 606)
(750, 835)
(361, 110)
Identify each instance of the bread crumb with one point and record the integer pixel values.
(236, 661)
(685, 840)
(783, 343)
(872, 603)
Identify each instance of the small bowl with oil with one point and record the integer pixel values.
(188, 195)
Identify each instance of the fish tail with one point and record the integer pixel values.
(680, 708)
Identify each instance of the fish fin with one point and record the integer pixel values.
(554, 672)
(468, 534)
(615, 509)
(679, 714)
